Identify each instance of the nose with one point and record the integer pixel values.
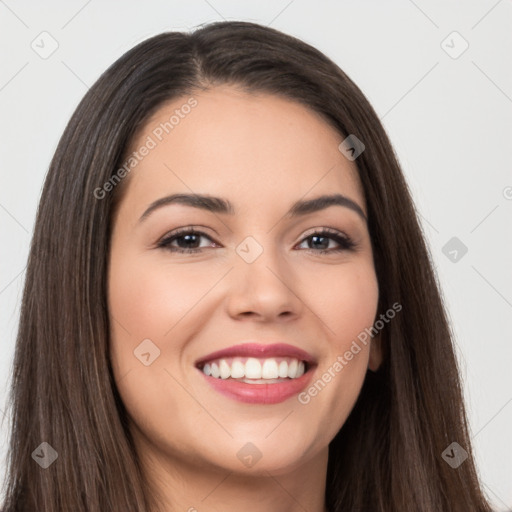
(264, 290)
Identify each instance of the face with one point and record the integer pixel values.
(186, 282)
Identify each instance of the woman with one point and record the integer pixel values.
(300, 359)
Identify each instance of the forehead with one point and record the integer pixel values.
(256, 149)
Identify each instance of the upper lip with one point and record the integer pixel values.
(260, 350)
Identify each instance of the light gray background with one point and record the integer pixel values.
(448, 118)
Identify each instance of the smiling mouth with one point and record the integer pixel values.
(256, 380)
(252, 370)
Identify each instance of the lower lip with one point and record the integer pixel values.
(259, 393)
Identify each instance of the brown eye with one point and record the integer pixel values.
(186, 239)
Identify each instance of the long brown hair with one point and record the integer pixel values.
(387, 457)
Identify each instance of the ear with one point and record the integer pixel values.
(375, 358)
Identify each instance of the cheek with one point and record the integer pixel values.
(346, 301)
(348, 309)
(148, 300)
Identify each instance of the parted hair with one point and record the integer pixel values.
(387, 457)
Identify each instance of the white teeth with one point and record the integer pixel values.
(237, 369)
(270, 370)
(253, 368)
(225, 370)
(215, 371)
(283, 369)
(292, 369)
(264, 370)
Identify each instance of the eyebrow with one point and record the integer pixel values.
(224, 206)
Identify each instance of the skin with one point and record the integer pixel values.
(262, 153)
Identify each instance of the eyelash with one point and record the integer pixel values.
(346, 243)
